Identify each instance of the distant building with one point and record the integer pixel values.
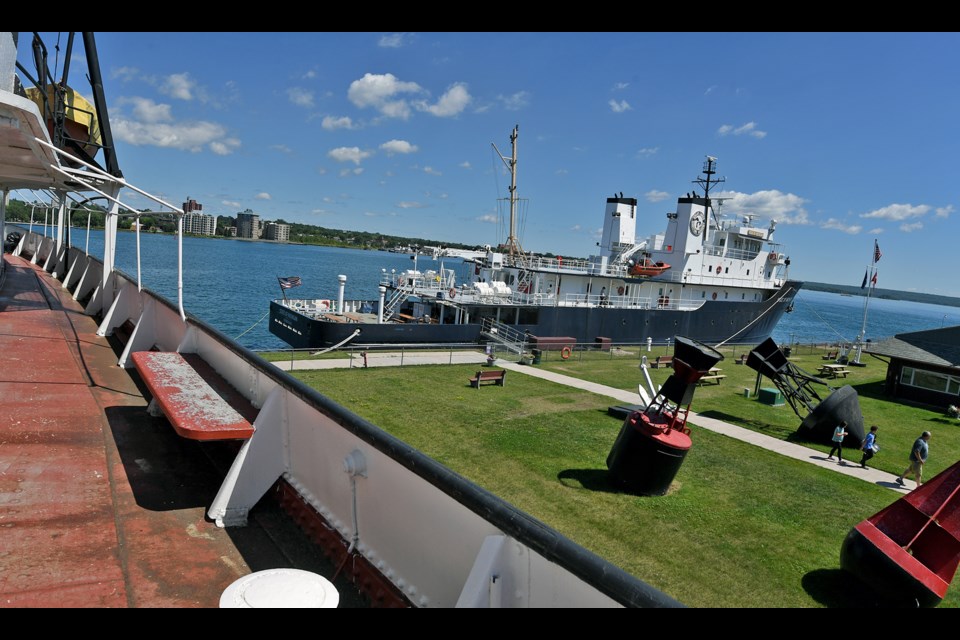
(231, 231)
(924, 366)
(199, 224)
(277, 231)
(192, 206)
(248, 225)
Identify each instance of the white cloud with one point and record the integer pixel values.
(575, 228)
(620, 86)
(126, 74)
(944, 212)
(907, 227)
(394, 40)
(450, 103)
(179, 85)
(647, 151)
(320, 211)
(381, 92)
(230, 203)
(398, 146)
(351, 172)
(839, 225)
(465, 165)
(562, 172)
(225, 147)
(709, 90)
(488, 218)
(515, 102)
(619, 107)
(331, 123)
(349, 154)
(410, 205)
(300, 97)
(263, 195)
(875, 232)
(749, 129)
(898, 212)
(282, 148)
(310, 75)
(656, 196)
(431, 171)
(772, 204)
(146, 110)
(188, 136)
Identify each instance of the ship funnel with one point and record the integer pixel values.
(819, 417)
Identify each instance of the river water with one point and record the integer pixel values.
(229, 283)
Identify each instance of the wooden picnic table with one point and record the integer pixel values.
(834, 370)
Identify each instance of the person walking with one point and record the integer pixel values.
(918, 455)
(870, 446)
(838, 435)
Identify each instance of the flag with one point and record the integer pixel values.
(864, 285)
(873, 280)
(290, 283)
(876, 252)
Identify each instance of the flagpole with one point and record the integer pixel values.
(871, 282)
(283, 291)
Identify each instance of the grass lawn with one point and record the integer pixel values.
(741, 527)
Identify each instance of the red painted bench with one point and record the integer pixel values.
(496, 377)
(197, 401)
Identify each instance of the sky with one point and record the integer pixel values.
(843, 138)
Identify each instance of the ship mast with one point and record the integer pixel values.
(709, 170)
(513, 245)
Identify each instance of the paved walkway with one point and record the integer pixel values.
(789, 449)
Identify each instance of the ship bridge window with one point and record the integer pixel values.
(748, 271)
(703, 294)
(727, 270)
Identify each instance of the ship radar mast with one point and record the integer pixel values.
(708, 182)
(513, 245)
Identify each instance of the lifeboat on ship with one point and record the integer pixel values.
(647, 268)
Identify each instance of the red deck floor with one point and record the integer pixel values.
(102, 505)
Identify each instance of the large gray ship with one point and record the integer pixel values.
(706, 276)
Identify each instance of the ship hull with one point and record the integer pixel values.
(714, 322)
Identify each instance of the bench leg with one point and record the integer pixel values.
(154, 409)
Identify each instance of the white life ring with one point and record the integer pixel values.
(620, 291)
(719, 268)
(324, 305)
(452, 292)
(773, 256)
(714, 295)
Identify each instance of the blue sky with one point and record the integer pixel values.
(843, 138)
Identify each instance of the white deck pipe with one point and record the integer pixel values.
(383, 295)
(342, 279)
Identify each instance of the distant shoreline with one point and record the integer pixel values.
(888, 294)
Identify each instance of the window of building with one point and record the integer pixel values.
(931, 380)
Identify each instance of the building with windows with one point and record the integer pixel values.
(924, 366)
(276, 231)
(199, 224)
(248, 225)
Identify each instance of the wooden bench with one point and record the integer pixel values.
(712, 378)
(742, 359)
(831, 355)
(662, 361)
(197, 401)
(496, 377)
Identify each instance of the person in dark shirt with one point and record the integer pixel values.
(918, 455)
